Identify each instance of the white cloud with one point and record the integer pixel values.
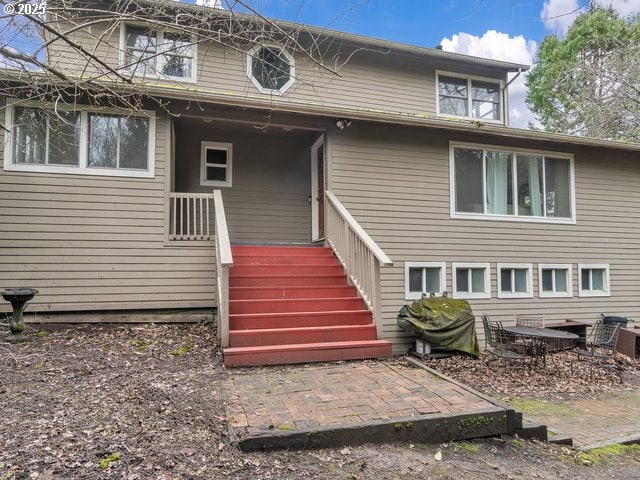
(623, 7)
(558, 15)
(500, 46)
(210, 3)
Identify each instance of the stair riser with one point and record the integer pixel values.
(301, 260)
(292, 270)
(295, 305)
(255, 339)
(285, 281)
(245, 322)
(302, 356)
(280, 251)
(289, 292)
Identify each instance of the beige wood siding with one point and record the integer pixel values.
(97, 242)
(269, 197)
(368, 79)
(395, 182)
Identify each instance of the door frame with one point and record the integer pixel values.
(315, 227)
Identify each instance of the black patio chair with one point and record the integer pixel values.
(499, 343)
(601, 348)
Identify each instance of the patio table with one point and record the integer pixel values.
(542, 336)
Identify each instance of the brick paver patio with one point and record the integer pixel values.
(304, 397)
(588, 421)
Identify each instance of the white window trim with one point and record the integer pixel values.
(556, 266)
(606, 281)
(408, 295)
(469, 79)
(159, 55)
(292, 64)
(525, 266)
(227, 147)
(82, 168)
(472, 295)
(508, 218)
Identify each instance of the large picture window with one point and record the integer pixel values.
(469, 97)
(158, 54)
(504, 184)
(80, 141)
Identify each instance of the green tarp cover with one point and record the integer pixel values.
(441, 321)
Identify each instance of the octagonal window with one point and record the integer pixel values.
(270, 68)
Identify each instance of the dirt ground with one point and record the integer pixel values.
(146, 402)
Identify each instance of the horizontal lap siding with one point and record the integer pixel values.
(269, 197)
(97, 243)
(396, 184)
(346, 75)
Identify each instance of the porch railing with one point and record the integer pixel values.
(358, 253)
(224, 260)
(190, 216)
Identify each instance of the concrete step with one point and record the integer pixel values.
(305, 353)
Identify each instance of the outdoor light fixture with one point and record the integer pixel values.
(343, 123)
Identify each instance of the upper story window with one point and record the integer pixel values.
(153, 53)
(491, 182)
(80, 142)
(469, 97)
(271, 68)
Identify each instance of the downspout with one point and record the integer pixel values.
(506, 96)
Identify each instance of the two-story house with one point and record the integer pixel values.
(305, 206)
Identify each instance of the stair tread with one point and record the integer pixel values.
(311, 299)
(304, 329)
(308, 346)
(278, 314)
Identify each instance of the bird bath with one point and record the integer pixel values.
(18, 297)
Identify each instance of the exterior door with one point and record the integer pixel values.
(317, 190)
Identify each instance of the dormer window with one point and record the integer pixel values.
(158, 54)
(467, 97)
(271, 68)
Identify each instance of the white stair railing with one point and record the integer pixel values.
(224, 260)
(190, 216)
(358, 253)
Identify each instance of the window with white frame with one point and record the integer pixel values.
(158, 53)
(80, 141)
(504, 184)
(469, 97)
(594, 280)
(514, 280)
(271, 68)
(423, 277)
(471, 280)
(215, 164)
(555, 281)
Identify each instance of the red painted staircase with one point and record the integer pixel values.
(293, 304)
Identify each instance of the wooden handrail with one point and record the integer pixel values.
(360, 256)
(224, 260)
(382, 257)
